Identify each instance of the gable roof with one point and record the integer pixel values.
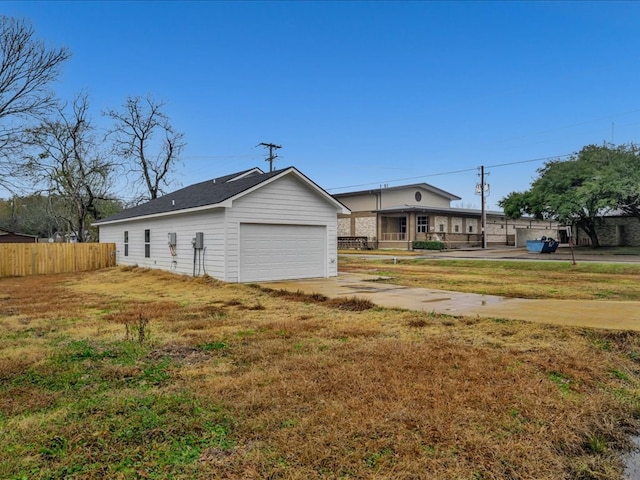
(217, 192)
(425, 186)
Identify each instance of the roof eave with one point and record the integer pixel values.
(225, 204)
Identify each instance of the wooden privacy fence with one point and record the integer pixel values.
(19, 259)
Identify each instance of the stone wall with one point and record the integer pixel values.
(618, 232)
(365, 227)
(344, 227)
(439, 220)
(475, 224)
(357, 226)
(457, 222)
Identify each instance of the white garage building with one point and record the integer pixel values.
(245, 227)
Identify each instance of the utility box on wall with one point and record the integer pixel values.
(199, 241)
(172, 239)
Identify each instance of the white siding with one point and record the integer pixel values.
(210, 223)
(285, 201)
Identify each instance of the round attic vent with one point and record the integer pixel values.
(418, 196)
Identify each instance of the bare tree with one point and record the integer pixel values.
(144, 138)
(27, 69)
(68, 162)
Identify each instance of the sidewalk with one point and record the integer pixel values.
(591, 314)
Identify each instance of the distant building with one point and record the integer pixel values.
(394, 217)
(615, 229)
(7, 236)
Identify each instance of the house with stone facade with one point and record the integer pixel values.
(394, 217)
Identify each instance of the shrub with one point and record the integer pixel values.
(428, 245)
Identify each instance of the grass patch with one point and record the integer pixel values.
(521, 279)
(300, 388)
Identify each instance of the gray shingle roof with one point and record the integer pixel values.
(210, 192)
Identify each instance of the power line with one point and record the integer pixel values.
(404, 179)
(213, 157)
(452, 172)
(530, 161)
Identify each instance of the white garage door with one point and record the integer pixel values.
(280, 252)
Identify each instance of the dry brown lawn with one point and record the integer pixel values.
(519, 279)
(238, 382)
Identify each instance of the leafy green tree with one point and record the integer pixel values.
(31, 214)
(576, 191)
(622, 180)
(45, 215)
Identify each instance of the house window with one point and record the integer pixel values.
(126, 243)
(470, 228)
(422, 224)
(403, 226)
(456, 228)
(418, 196)
(441, 227)
(147, 243)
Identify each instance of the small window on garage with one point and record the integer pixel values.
(126, 243)
(147, 243)
(456, 228)
(470, 228)
(441, 227)
(422, 223)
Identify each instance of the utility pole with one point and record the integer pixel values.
(272, 156)
(482, 188)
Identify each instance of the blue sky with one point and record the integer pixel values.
(362, 94)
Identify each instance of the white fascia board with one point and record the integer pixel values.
(225, 204)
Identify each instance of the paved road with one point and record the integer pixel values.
(593, 314)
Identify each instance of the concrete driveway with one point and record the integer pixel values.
(592, 314)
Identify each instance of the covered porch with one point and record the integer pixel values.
(399, 227)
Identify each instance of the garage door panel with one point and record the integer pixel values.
(278, 252)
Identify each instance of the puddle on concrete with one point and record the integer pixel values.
(368, 289)
(632, 461)
(361, 288)
(431, 300)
